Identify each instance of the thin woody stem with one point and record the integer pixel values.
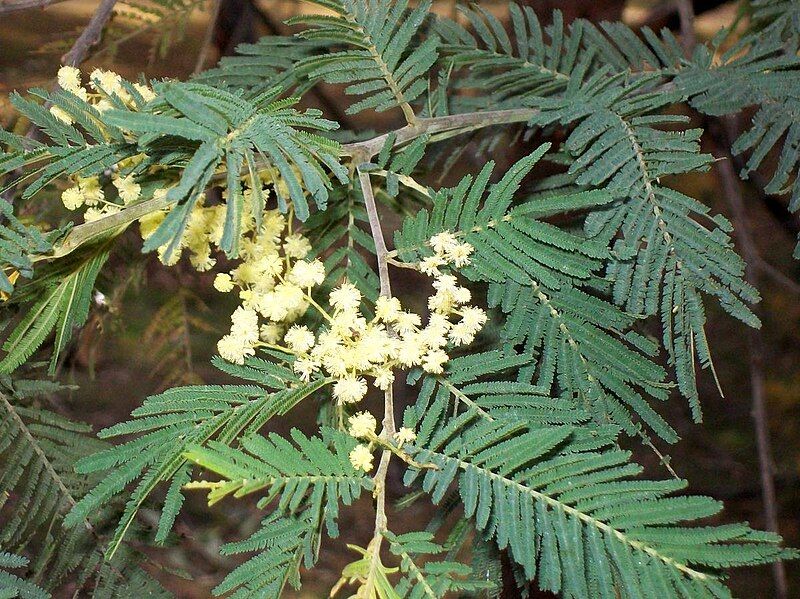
(7, 6)
(91, 35)
(685, 10)
(95, 230)
(76, 54)
(381, 523)
(208, 40)
(400, 453)
(377, 233)
(457, 122)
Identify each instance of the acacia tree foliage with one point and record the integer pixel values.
(578, 251)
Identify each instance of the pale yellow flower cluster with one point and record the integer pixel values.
(88, 192)
(107, 82)
(398, 339)
(204, 228)
(127, 189)
(242, 339)
(274, 281)
(404, 435)
(361, 458)
(203, 235)
(363, 426)
(447, 251)
(350, 347)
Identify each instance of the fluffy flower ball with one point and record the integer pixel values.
(362, 425)
(404, 435)
(299, 339)
(346, 297)
(69, 79)
(350, 389)
(223, 282)
(307, 274)
(72, 198)
(361, 458)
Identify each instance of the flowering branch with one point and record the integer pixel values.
(278, 287)
(360, 152)
(94, 230)
(388, 404)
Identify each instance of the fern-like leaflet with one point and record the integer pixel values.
(17, 243)
(12, 585)
(378, 61)
(307, 480)
(168, 338)
(169, 423)
(611, 88)
(522, 433)
(190, 130)
(61, 297)
(535, 271)
(572, 516)
(429, 579)
(39, 486)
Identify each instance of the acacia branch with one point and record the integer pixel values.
(685, 10)
(456, 123)
(7, 6)
(46, 462)
(381, 253)
(377, 233)
(92, 231)
(777, 276)
(208, 39)
(74, 57)
(360, 151)
(91, 34)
